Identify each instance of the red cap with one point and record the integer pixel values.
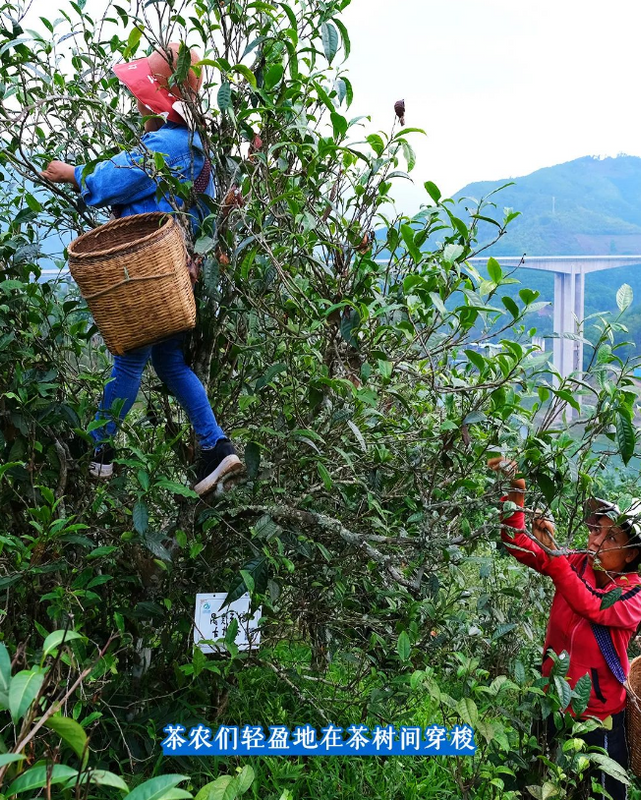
(147, 79)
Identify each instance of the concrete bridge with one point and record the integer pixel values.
(569, 294)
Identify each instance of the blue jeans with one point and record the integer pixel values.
(169, 363)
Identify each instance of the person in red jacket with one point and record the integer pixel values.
(595, 639)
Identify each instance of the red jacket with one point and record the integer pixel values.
(576, 604)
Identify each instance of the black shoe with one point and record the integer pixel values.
(101, 464)
(216, 466)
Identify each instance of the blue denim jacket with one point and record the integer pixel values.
(123, 181)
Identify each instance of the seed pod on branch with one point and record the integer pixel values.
(255, 144)
(222, 257)
(366, 243)
(399, 108)
(233, 199)
(254, 147)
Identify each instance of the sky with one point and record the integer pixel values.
(501, 87)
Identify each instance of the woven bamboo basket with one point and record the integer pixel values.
(633, 716)
(133, 274)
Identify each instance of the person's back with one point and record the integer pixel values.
(130, 183)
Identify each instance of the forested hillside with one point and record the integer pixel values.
(583, 207)
(589, 206)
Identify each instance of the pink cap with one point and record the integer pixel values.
(147, 79)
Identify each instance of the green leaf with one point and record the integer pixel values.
(102, 777)
(9, 758)
(376, 143)
(132, 41)
(38, 777)
(438, 302)
(205, 244)
(408, 237)
(270, 374)
(248, 580)
(472, 418)
(339, 124)
(329, 36)
(410, 155)
(252, 460)
(223, 788)
(568, 397)
(141, 516)
(563, 691)
(625, 436)
(477, 359)
(547, 486)
(403, 646)
(273, 76)
(350, 322)
(24, 688)
(5, 669)
(610, 598)
(224, 96)
(385, 368)
(452, 252)
(610, 767)
(582, 690)
(257, 570)
(69, 731)
(511, 306)
(528, 296)
(36, 206)
(561, 663)
(519, 673)
(344, 37)
(246, 73)
(245, 778)
(156, 788)
(494, 270)
(357, 433)
(183, 65)
(325, 476)
(175, 488)
(624, 297)
(232, 631)
(56, 638)
(433, 191)
(468, 711)
(545, 792)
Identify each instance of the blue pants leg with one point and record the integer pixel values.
(121, 390)
(169, 362)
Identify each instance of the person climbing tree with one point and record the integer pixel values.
(129, 184)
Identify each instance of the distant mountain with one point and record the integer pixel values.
(590, 206)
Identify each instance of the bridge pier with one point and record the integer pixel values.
(569, 295)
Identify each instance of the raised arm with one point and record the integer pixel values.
(586, 601)
(513, 533)
(59, 172)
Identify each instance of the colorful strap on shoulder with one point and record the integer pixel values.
(606, 646)
(202, 181)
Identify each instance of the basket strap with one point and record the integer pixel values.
(608, 651)
(127, 280)
(202, 180)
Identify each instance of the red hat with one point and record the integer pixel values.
(148, 80)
